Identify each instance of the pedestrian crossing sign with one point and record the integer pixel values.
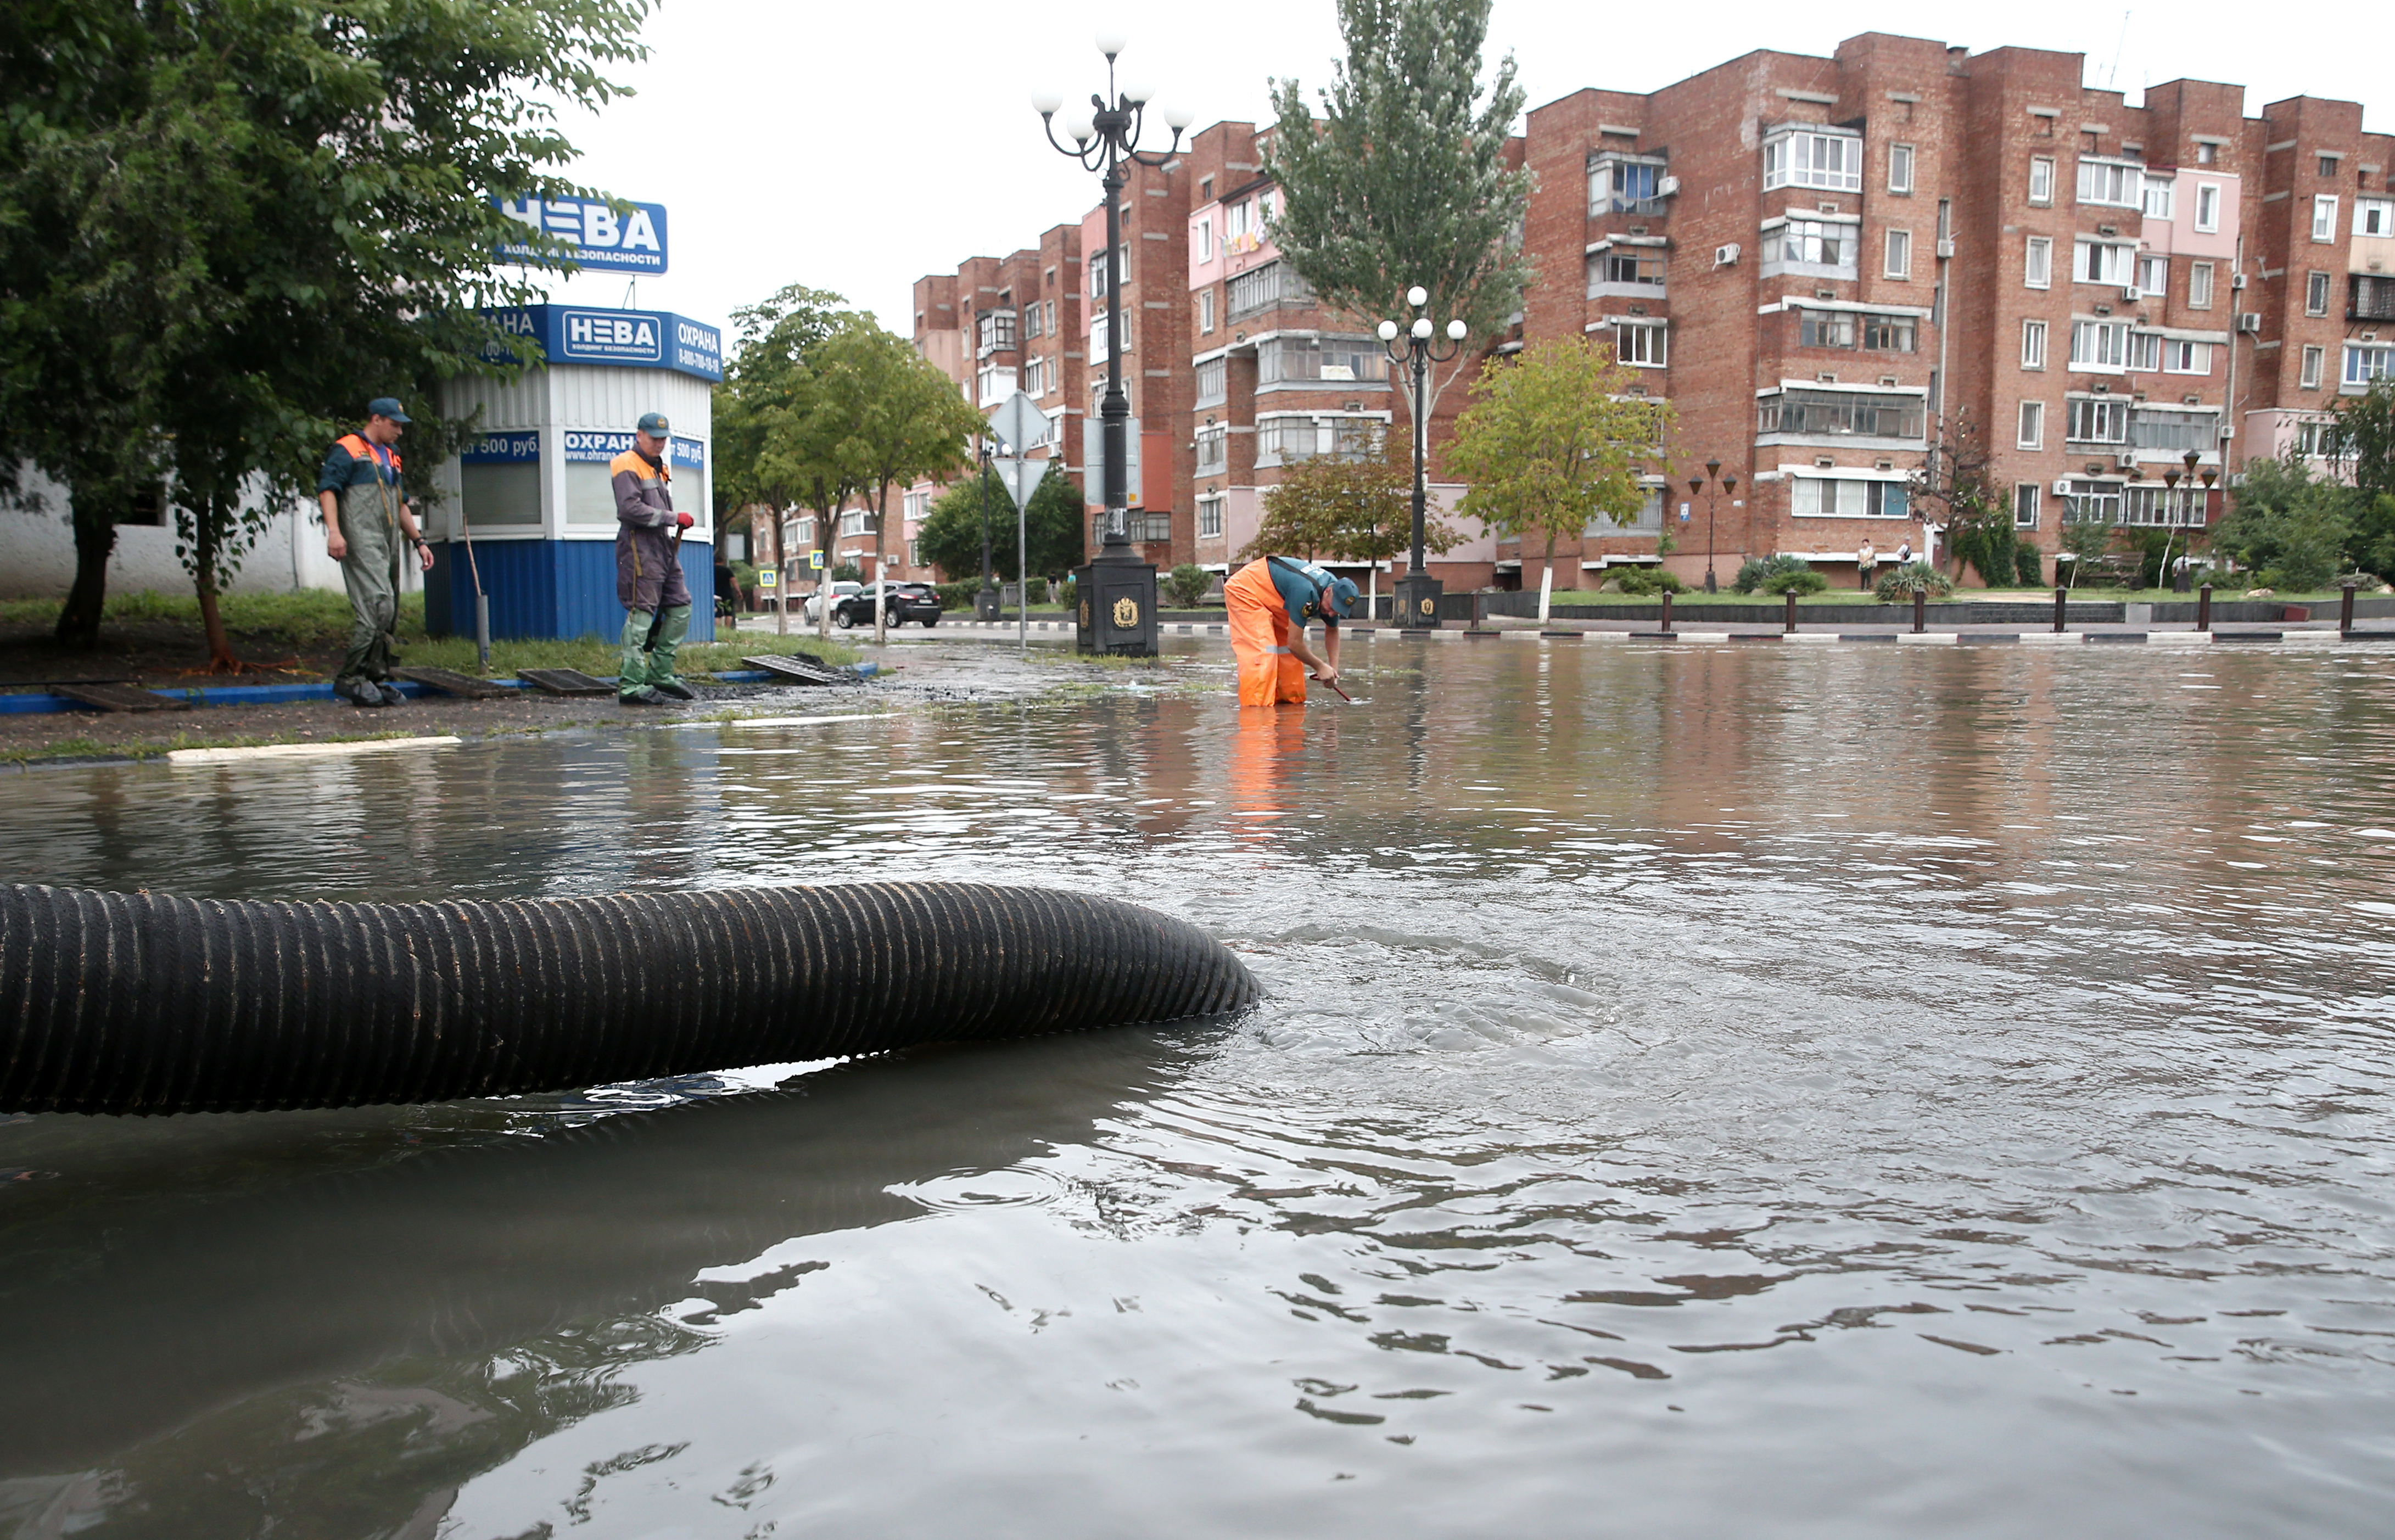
(815, 560)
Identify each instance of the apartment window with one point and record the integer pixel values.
(2161, 197)
(1832, 162)
(2315, 359)
(1262, 288)
(1287, 360)
(1031, 318)
(2115, 184)
(1236, 220)
(2328, 165)
(2207, 208)
(2173, 432)
(2185, 358)
(995, 383)
(1899, 254)
(1826, 329)
(2316, 294)
(2199, 287)
(2025, 500)
(2033, 344)
(856, 521)
(995, 329)
(1646, 345)
(2206, 153)
(1209, 519)
(1848, 497)
(1625, 187)
(1890, 334)
(2103, 262)
(1205, 232)
(2373, 217)
(2325, 216)
(1034, 377)
(1213, 449)
(1098, 276)
(1624, 267)
(2041, 179)
(2038, 269)
(1290, 439)
(1830, 412)
(2033, 426)
(2145, 351)
(1813, 241)
(1100, 326)
(1899, 168)
(2364, 364)
(1212, 381)
(2098, 420)
(2373, 298)
(2316, 440)
(2153, 275)
(2092, 502)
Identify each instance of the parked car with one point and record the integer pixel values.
(812, 611)
(900, 602)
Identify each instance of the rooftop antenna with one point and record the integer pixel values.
(2118, 49)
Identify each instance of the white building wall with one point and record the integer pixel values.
(37, 558)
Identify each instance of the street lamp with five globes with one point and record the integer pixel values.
(1417, 595)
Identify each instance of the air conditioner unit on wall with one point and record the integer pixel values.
(1726, 255)
(2126, 460)
(1667, 187)
(2131, 294)
(1945, 248)
(2062, 486)
(2249, 322)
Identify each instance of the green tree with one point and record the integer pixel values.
(1552, 442)
(1348, 508)
(1956, 486)
(241, 218)
(2362, 440)
(950, 534)
(2089, 538)
(766, 389)
(1403, 181)
(891, 419)
(2287, 525)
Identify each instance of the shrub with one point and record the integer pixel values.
(1903, 581)
(1799, 580)
(1758, 574)
(957, 595)
(2026, 568)
(1651, 580)
(1186, 584)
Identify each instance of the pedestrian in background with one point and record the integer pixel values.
(367, 523)
(1866, 560)
(648, 567)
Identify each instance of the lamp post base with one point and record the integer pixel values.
(985, 605)
(1116, 615)
(1418, 597)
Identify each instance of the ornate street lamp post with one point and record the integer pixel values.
(2183, 491)
(1712, 494)
(1117, 590)
(1418, 592)
(985, 600)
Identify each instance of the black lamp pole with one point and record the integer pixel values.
(985, 602)
(1117, 590)
(1416, 592)
(1719, 485)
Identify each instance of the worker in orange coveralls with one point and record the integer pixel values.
(1270, 601)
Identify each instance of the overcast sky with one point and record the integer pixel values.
(853, 149)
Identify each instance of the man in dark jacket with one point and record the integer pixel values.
(367, 523)
(648, 567)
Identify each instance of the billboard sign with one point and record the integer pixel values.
(516, 447)
(592, 233)
(585, 445)
(622, 340)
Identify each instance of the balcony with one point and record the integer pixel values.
(1894, 419)
(2372, 299)
(1274, 283)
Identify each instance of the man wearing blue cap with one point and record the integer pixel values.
(648, 567)
(1269, 603)
(367, 523)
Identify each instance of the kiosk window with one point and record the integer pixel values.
(499, 494)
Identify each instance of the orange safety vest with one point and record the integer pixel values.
(361, 450)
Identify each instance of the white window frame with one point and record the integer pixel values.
(2373, 217)
(2109, 339)
(1210, 517)
(2034, 345)
(1216, 436)
(2315, 364)
(2156, 265)
(1825, 236)
(2367, 361)
(2162, 197)
(2319, 294)
(1899, 254)
(2041, 180)
(2037, 263)
(1206, 238)
(1206, 312)
(2145, 352)
(2107, 183)
(2026, 496)
(1862, 490)
(2208, 208)
(2324, 218)
(1899, 168)
(2032, 431)
(1810, 144)
(1653, 350)
(2181, 356)
(2097, 412)
(2199, 285)
(2090, 260)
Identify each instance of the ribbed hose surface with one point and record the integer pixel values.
(142, 1002)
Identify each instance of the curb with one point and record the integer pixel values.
(303, 751)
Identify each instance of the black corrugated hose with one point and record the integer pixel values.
(143, 1003)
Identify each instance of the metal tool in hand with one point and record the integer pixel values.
(1334, 684)
(658, 621)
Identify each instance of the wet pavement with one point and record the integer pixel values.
(1705, 1089)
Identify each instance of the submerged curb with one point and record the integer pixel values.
(304, 751)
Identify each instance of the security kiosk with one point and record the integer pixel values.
(527, 512)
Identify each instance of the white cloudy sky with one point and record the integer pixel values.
(854, 149)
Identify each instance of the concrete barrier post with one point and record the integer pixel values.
(2204, 608)
(1920, 610)
(2061, 598)
(1667, 608)
(1791, 611)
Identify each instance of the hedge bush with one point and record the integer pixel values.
(1798, 580)
(1651, 580)
(1901, 582)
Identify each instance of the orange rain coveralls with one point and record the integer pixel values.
(1260, 627)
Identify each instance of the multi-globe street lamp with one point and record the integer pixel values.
(1720, 484)
(1117, 589)
(2187, 514)
(1418, 592)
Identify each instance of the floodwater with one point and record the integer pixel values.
(1704, 1091)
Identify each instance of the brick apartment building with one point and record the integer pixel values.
(1825, 265)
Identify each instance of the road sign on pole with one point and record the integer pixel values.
(1019, 423)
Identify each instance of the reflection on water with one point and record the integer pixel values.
(1846, 1091)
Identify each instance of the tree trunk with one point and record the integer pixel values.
(781, 581)
(1547, 579)
(94, 541)
(826, 541)
(208, 525)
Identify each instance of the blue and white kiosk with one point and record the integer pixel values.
(532, 494)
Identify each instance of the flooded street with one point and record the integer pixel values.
(1841, 1091)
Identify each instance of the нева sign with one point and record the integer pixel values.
(593, 233)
